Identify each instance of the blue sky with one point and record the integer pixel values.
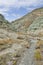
(14, 9)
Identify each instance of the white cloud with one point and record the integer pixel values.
(4, 11)
(14, 17)
(19, 3)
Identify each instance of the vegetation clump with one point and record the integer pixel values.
(37, 54)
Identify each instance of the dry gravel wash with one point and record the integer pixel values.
(28, 55)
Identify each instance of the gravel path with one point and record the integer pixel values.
(28, 56)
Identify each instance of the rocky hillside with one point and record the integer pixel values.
(37, 24)
(23, 23)
(3, 22)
